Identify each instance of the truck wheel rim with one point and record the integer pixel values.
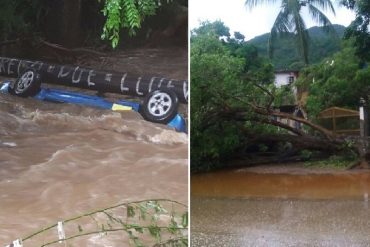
(25, 81)
(159, 104)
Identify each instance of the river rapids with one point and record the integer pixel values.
(60, 160)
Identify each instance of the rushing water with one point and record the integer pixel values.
(60, 160)
(280, 206)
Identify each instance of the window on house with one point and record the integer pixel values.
(291, 79)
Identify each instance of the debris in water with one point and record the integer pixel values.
(9, 144)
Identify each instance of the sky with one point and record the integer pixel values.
(253, 22)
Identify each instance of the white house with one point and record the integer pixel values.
(285, 77)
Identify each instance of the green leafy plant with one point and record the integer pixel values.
(127, 14)
(157, 222)
(334, 161)
(339, 80)
(359, 28)
(305, 155)
(224, 72)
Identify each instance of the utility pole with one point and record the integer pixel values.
(363, 126)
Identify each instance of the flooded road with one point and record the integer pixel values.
(58, 160)
(303, 207)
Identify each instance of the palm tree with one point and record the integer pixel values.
(290, 19)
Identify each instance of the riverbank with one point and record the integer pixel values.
(299, 168)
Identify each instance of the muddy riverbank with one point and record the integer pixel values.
(282, 182)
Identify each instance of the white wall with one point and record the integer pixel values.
(283, 78)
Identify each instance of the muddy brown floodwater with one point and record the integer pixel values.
(59, 160)
(280, 206)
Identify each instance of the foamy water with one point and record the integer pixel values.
(60, 160)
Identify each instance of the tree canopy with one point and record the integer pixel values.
(340, 80)
(359, 28)
(217, 70)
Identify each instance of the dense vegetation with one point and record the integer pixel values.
(20, 16)
(340, 80)
(286, 56)
(217, 70)
(359, 29)
(233, 112)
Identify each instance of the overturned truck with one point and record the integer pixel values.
(103, 81)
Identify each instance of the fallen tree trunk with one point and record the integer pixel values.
(242, 162)
(104, 81)
(326, 144)
(301, 142)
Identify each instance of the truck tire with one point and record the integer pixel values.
(160, 106)
(28, 84)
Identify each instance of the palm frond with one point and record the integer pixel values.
(317, 15)
(302, 36)
(293, 6)
(322, 4)
(271, 41)
(281, 25)
(289, 19)
(250, 4)
(320, 18)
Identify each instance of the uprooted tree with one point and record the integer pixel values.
(233, 107)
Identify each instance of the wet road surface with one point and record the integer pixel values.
(277, 222)
(245, 208)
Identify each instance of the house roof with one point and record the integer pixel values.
(337, 112)
(286, 71)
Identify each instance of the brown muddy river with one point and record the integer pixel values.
(58, 160)
(298, 183)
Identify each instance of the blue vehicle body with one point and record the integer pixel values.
(64, 96)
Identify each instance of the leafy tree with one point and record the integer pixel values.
(218, 72)
(230, 83)
(216, 28)
(213, 70)
(290, 19)
(238, 36)
(340, 80)
(127, 14)
(233, 106)
(21, 16)
(359, 28)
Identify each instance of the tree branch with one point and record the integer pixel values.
(61, 48)
(272, 97)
